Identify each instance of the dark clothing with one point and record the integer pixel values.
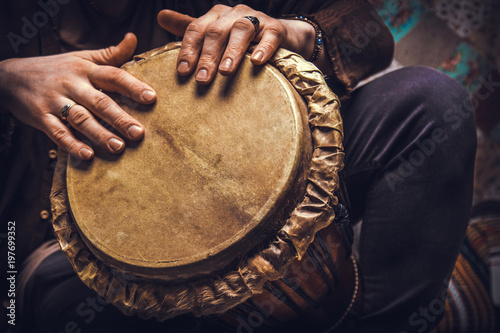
(410, 143)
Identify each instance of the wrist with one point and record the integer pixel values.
(301, 37)
(4, 82)
(309, 41)
(7, 85)
(317, 37)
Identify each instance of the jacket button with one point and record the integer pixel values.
(44, 214)
(53, 154)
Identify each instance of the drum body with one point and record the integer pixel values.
(315, 294)
(227, 205)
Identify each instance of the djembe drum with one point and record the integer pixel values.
(229, 208)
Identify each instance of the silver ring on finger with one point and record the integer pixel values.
(65, 111)
(255, 21)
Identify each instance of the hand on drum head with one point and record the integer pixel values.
(37, 90)
(218, 40)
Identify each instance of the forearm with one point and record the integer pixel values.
(4, 92)
(305, 42)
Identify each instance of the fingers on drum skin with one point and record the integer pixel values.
(219, 40)
(242, 33)
(270, 40)
(215, 41)
(117, 80)
(106, 108)
(62, 136)
(83, 121)
(194, 36)
(191, 47)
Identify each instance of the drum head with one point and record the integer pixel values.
(208, 181)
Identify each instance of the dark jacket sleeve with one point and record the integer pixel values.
(358, 42)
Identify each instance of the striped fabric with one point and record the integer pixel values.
(469, 307)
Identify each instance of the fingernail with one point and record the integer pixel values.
(259, 56)
(134, 131)
(202, 75)
(226, 64)
(148, 95)
(183, 67)
(86, 153)
(115, 144)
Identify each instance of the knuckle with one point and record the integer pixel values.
(241, 7)
(187, 51)
(275, 29)
(195, 27)
(120, 76)
(214, 31)
(101, 138)
(121, 122)
(79, 118)
(73, 147)
(101, 102)
(66, 83)
(133, 88)
(59, 135)
(267, 46)
(219, 7)
(243, 25)
(234, 50)
(206, 62)
(109, 53)
(208, 57)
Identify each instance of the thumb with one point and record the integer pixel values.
(174, 22)
(113, 55)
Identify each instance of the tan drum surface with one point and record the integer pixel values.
(203, 184)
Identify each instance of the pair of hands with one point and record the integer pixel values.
(35, 89)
